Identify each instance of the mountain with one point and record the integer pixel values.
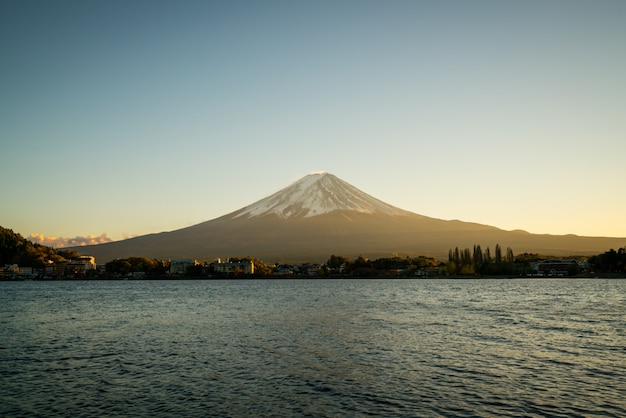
(318, 194)
(320, 215)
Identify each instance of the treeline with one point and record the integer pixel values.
(461, 262)
(15, 249)
(336, 265)
(610, 262)
(479, 262)
(126, 266)
(475, 261)
(468, 261)
(364, 267)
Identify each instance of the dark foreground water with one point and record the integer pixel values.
(314, 348)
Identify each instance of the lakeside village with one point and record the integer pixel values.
(21, 259)
(85, 267)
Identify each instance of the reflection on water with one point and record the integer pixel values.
(318, 348)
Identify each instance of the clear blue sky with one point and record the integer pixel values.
(131, 117)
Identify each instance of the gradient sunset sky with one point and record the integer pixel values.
(122, 118)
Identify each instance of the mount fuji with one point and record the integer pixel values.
(315, 195)
(320, 215)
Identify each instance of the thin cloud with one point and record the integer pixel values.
(60, 242)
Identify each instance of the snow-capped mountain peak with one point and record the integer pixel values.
(317, 194)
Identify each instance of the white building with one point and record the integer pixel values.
(86, 260)
(245, 267)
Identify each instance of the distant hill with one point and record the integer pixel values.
(15, 249)
(320, 215)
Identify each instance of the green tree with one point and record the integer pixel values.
(478, 259)
(510, 258)
(610, 261)
(487, 256)
(336, 261)
(457, 261)
(498, 255)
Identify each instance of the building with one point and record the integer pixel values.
(79, 266)
(87, 261)
(10, 270)
(27, 272)
(54, 270)
(237, 267)
(181, 266)
(557, 267)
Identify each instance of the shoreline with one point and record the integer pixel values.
(278, 277)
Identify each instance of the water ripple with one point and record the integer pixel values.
(448, 348)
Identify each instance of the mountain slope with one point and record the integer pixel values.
(320, 215)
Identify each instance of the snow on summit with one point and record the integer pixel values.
(318, 194)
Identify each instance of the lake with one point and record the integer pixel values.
(320, 348)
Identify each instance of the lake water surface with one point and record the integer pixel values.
(324, 348)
